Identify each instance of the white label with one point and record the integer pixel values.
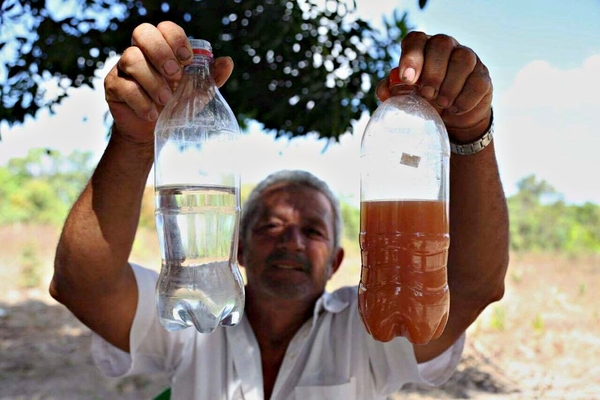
(410, 160)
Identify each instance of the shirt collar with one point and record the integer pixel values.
(330, 303)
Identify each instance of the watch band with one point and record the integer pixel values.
(467, 149)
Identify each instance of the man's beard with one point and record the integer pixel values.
(282, 257)
(302, 264)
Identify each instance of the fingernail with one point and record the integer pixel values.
(428, 92)
(171, 67)
(377, 90)
(164, 96)
(453, 110)
(183, 53)
(409, 75)
(442, 102)
(223, 60)
(153, 115)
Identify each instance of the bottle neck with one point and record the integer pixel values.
(202, 61)
(199, 71)
(399, 89)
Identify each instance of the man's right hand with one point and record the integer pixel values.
(144, 78)
(92, 276)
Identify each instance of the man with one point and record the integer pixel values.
(294, 342)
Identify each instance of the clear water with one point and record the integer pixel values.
(200, 284)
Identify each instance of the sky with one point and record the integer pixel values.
(544, 60)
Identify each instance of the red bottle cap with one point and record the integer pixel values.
(395, 77)
(202, 52)
(395, 81)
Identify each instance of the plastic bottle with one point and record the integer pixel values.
(197, 203)
(404, 229)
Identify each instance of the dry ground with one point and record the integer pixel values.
(542, 341)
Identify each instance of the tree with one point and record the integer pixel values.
(351, 220)
(540, 220)
(300, 67)
(532, 224)
(41, 187)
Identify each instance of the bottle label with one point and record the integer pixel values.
(410, 160)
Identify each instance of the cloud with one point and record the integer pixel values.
(541, 85)
(77, 124)
(547, 125)
(334, 162)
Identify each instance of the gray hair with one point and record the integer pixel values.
(294, 178)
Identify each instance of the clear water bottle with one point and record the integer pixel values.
(404, 227)
(197, 203)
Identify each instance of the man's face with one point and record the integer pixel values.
(289, 248)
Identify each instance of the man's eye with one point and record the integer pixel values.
(270, 227)
(312, 232)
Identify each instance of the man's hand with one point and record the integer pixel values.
(92, 275)
(451, 77)
(144, 78)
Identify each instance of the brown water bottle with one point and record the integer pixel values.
(404, 227)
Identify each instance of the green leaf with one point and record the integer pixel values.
(275, 44)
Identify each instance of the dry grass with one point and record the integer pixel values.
(541, 341)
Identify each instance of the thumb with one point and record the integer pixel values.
(222, 69)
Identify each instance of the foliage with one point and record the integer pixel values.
(300, 67)
(351, 220)
(41, 187)
(540, 220)
(31, 274)
(147, 219)
(498, 318)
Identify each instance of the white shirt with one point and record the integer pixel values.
(330, 357)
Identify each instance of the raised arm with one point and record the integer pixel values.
(457, 83)
(91, 274)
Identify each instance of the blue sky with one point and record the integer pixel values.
(544, 58)
(509, 34)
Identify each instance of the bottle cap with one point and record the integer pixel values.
(201, 47)
(397, 82)
(395, 76)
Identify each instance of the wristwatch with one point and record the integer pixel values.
(474, 147)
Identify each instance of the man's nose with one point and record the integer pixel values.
(292, 238)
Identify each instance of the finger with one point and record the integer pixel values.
(133, 65)
(461, 64)
(123, 87)
(130, 96)
(222, 69)
(477, 88)
(467, 127)
(438, 51)
(179, 44)
(412, 57)
(382, 90)
(161, 47)
(178, 41)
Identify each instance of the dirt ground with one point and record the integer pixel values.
(542, 341)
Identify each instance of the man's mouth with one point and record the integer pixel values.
(289, 266)
(286, 261)
(289, 262)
